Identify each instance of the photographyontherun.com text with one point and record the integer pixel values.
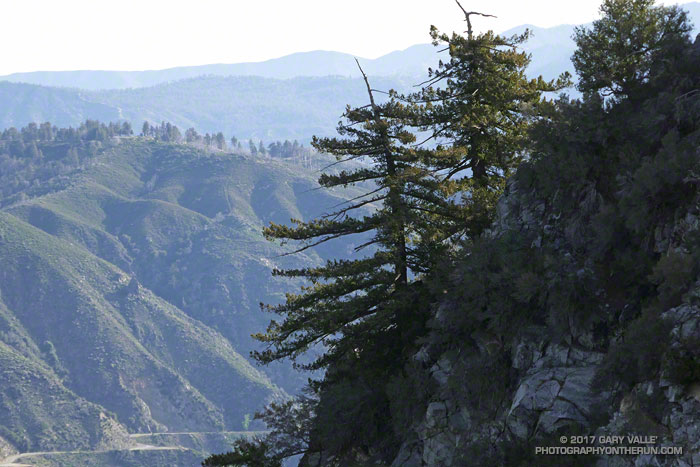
(609, 446)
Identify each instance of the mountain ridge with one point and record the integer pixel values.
(241, 106)
(129, 287)
(259, 108)
(549, 59)
(314, 63)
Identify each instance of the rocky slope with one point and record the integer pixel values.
(576, 319)
(555, 391)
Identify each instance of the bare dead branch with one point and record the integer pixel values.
(369, 88)
(467, 14)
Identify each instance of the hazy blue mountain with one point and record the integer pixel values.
(245, 106)
(248, 106)
(268, 106)
(551, 49)
(22, 103)
(410, 62)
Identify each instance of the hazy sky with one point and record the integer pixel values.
(154, 34)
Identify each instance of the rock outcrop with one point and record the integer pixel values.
(554, 392)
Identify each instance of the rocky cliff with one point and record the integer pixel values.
(575, 322)
(555, 391)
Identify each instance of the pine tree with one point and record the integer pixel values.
(220, 141)
(352, 302)
(46, 132)
(369, 312)
(478, 108)
(174, 134)
(191, 135)
(615, 56)
(126, 129)
(33, 152)
(72, 157)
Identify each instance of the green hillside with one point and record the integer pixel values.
(187, 224)
(39, 412)
(119, 346)
(130, 283)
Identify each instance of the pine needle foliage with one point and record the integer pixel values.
(347, 298)
(616, 55)
(478, 108)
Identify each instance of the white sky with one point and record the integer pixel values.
(154, 34)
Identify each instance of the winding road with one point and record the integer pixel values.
(15, 459)
(12, 460)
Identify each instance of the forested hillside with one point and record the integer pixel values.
(131, 271)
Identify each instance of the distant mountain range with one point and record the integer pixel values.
(241, 106)
(551, 49)
(131, 270)
(292, 97)
(414, 61)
